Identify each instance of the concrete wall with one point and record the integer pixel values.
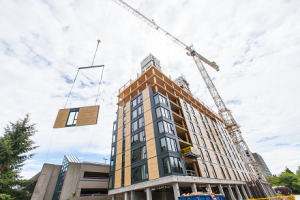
(46, 182)
(71, 179)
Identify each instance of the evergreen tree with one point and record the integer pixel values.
(15, 145)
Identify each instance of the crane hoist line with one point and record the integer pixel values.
(231, 126)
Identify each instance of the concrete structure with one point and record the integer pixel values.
(58, 182)
(157, 120)
(262, 165)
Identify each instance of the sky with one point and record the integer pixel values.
(255, 43)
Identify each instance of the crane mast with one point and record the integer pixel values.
(231, 126)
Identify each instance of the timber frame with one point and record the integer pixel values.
(163, 84)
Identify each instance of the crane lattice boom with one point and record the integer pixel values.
(230, 124)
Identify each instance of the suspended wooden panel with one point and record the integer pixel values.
(76, 117)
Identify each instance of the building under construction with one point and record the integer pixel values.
(167, 142)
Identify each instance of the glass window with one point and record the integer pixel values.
(142, 136)
(196, 120)
(208, 156)
(140, 110)
(159, 99)
(122, 179)
(196, 139)
(199, 130)
(144, 172)
(110, 182)
(228, 173)
(167, 167)
(140, 99)
(192, 110)
(134, 126)
(166, 113)
(134, 139)
(169, 144)
(163, 100)
(143, 152)
(212, 145)
(176, 165)
(123, 160)
(134, 114)
(124, 109)
(115, 126)
(134, 155)
(206, 171)
(185, 106)
(218, 158)
(192, 126)
(160, 127)
(163, 144)
(158, 112)
(203, 142)
(113, 138)
(135, 174)
(141, 122)
(213, 170)
(133, 103)
(72, 118)
(201, 154)
(123, 147)
(188, 114)
(112, 151)
(111, 165)
(223, 172)
(156, 99)
(174, 146)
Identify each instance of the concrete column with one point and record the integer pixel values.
(244, 192)
(230, 192)
(148, 194)
(132, 195)
(194, 188)
(221, 189)
(176, 191)
(126, 196)
(165, 195)
(238, 192)
(208, 186)
(249, 191)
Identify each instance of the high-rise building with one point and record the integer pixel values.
(166, 142)
(262, 165)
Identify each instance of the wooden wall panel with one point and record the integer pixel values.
(231, 173)
(118, 162)
(200, 164)
(119, 147)
(218, 172)
(87, 115)
(127, 176)
(61, 118)
(118, 175)
(153, 168)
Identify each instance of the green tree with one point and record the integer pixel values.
(15, 145)
(273, 180)
(290, 180)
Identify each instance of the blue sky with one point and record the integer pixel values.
(255, 43)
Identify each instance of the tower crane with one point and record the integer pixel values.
(231, 126)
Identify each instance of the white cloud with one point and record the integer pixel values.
(255, 43)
